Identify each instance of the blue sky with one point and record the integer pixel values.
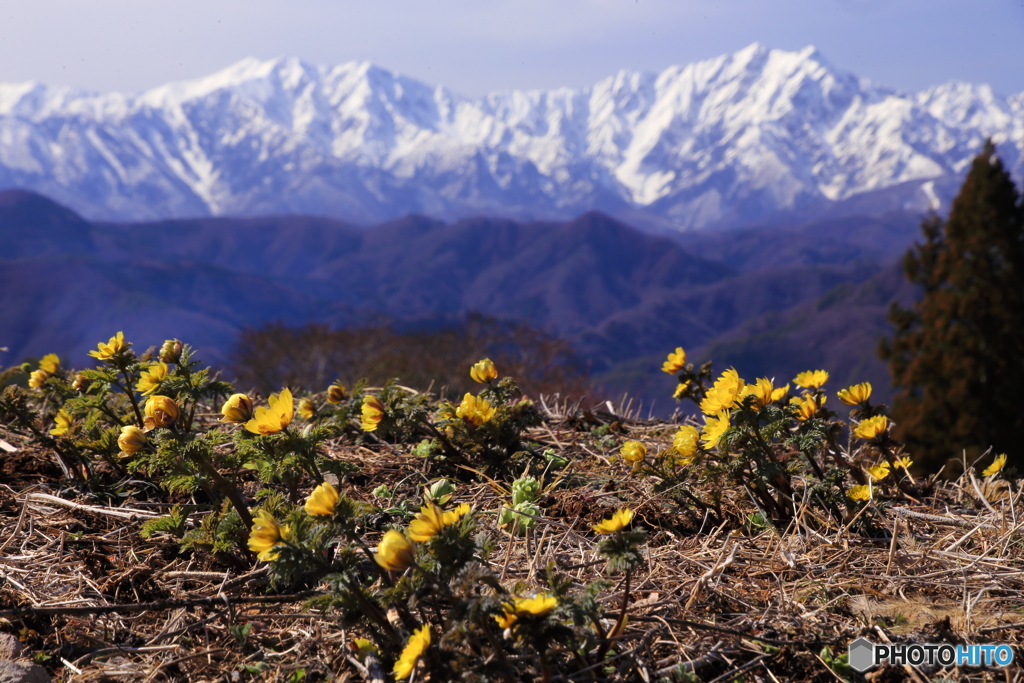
(476, 46)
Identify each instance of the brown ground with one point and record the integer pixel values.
(725, 603)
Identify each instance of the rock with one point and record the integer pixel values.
(10, 647)
(22, 671)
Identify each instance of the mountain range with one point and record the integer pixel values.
(744, 139)
(772, 300)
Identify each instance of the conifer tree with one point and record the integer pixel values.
(957, 356)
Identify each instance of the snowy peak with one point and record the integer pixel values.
(725, 141)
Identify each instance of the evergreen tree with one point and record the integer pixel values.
(957, 357)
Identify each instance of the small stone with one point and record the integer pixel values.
(22, 671)
(10, 647)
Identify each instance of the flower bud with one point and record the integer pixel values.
(132, 439)
(440, 492)
(160, 411)
(336, 393)
(525, 489)
(686, 440)
(237, 409)
(633, 451)
(307, 411)
(81, 383)
(170, 352)
(37, 378)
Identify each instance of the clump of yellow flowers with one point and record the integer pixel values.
(475, 410)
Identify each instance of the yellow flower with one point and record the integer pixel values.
(275, 418)
(475, 410)
(780, 393)
(811, 379)
(676, 361)
(431, 519)
(807, 406)
(871, 427)
(62, 423)
(111, 348)
(855, 395)
(306, 409)
(372, 413)
(633, 451)
(336, 393)
(237, 409)
(483, 371)
(37, 378)
(132, 439)
(723, 395)
(685, 441)
(428, 521)
(762, 392)
(507, 619)
(681, 390)
(50, 363)
(160, 411)
(265, 534)
(418, 643)
(618, 520)
(879, 471)
(322, 500)
(362, 647)
(150, 379)
(455, 515)
(714, 428)
(904, 462)
(536, 606)
(395, 552)
(859, 492)
(996, 466)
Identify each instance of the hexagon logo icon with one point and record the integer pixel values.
(862, 654)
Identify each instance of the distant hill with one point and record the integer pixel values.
(624, 297)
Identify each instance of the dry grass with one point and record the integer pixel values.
(96, 602)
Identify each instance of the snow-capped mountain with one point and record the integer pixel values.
(726, 141)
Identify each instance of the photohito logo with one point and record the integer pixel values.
(864, 654)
